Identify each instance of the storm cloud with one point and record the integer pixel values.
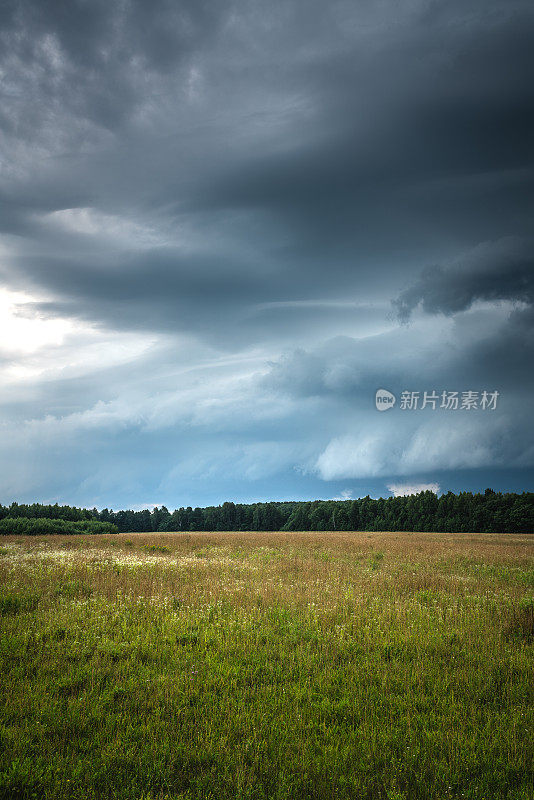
(502, 270)
(224, 225)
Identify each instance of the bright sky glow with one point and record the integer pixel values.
(22, 330)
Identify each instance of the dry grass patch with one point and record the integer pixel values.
(266, 665)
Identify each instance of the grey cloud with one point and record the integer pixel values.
(502, 270)
(94, 60)
(158, 290)
(431, 446)
(357, 122)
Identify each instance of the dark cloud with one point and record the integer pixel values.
(93, 62)
(502, 270)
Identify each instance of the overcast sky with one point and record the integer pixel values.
(224, 225)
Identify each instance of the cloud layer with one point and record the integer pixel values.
(206, 214)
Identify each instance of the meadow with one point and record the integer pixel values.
(391, 666)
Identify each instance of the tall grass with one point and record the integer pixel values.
(391, 666)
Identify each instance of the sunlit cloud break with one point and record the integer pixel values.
(405, 489)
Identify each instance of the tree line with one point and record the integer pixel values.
(491, 512)
(39, 526)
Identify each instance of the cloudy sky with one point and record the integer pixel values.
(224, 225)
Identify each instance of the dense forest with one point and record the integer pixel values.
(491, 512)
(39, 526)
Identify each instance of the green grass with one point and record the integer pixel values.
(264, 668)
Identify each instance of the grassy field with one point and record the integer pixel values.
(225, 666)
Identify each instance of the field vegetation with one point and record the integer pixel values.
(267, 665)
